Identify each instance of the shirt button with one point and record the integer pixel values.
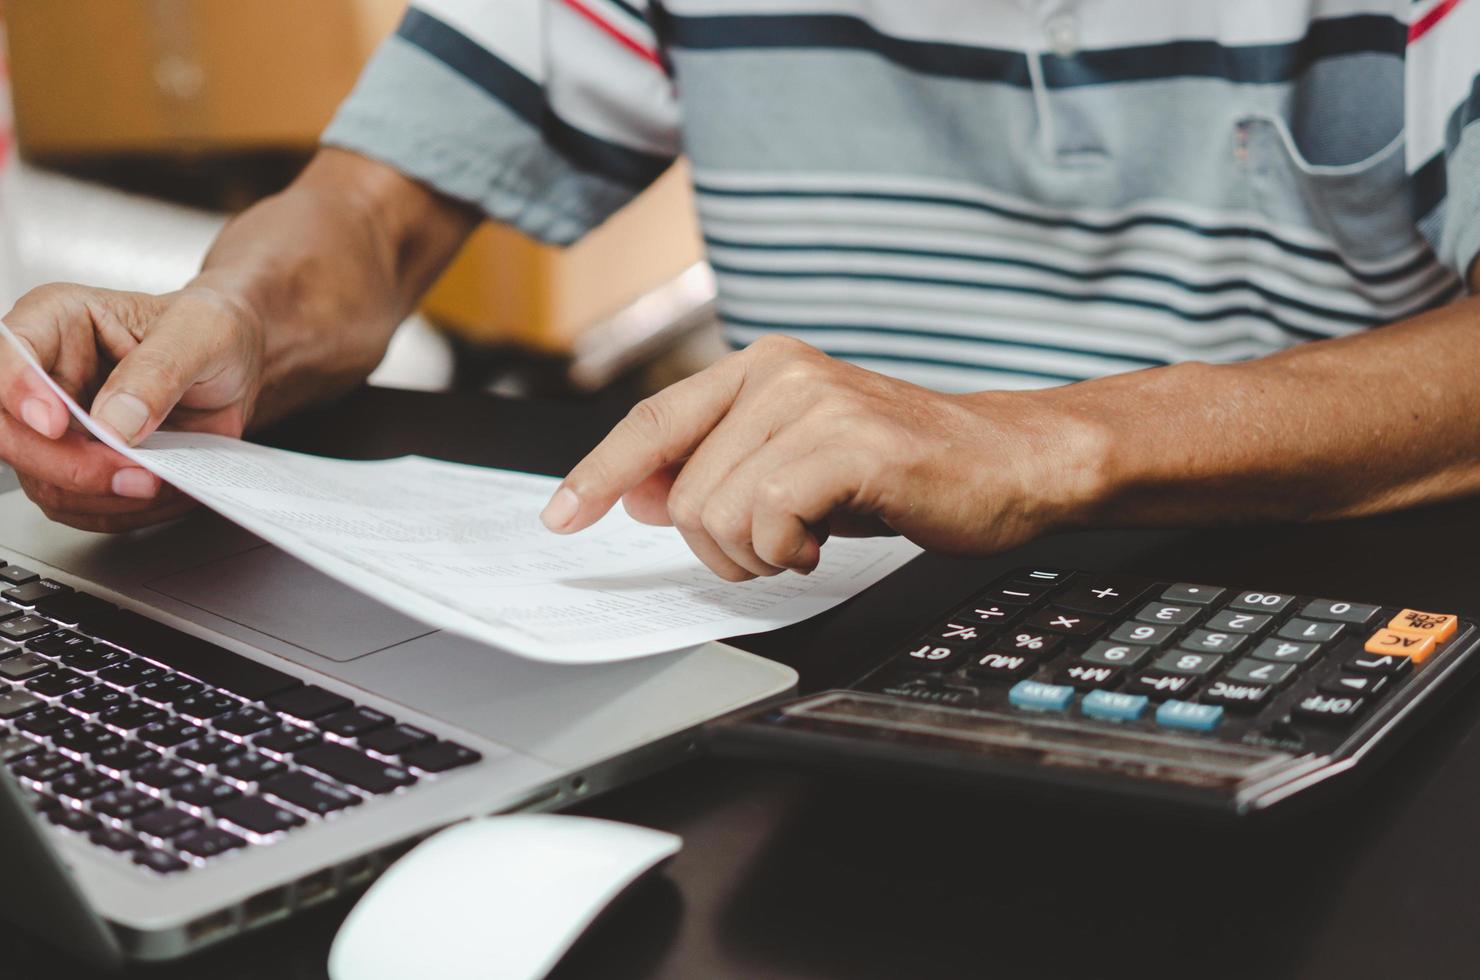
(1063, 35)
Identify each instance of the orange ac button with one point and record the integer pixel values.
(1401, 643)
(1441, 626)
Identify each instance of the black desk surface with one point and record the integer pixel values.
(792, 873)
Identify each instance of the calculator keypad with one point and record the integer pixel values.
(1194, 659)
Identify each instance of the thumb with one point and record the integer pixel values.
(151, 379)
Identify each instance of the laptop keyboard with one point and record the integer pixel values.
(169, 750)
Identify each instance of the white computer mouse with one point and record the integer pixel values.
(499, 897)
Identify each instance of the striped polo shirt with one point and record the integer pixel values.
(976, 193)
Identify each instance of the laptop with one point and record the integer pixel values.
(202, 736)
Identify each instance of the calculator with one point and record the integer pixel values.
(1221, 698)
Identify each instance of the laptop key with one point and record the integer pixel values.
(58, 643)
(170, 732)
(194, 657)
(23, 628)
(208, 842)
(163, 775)
(126, 757)
(309, 793)
(74, 608)
(355, 768)
(15, 746)
(16, 575)
(208, 750)
(440, 756)
(59, 682)
(258, 816)
(25, 666)
(43, 767)
(308, 702)
(70, 819)
(397, 740)
(354, 722)
(15, 703)
(206, 705)
(169, 689)
(132, 716)
(33, 592)
(115, 840)
(203, 792)
(92, 658)
(131, 673)
(250, 768)
(45, 721)
(246, 721)
(85, 739)
(287, 739)
(161, 862)
(95, 699)
(166, 822)
(81, 784)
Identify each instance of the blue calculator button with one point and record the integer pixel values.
(1113, 706)
(1038, 696)
(1189, 714)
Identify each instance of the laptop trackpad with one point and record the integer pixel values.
(271, 592)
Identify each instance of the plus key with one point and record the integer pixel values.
(1101, 595)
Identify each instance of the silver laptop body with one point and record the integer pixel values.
(549, 735)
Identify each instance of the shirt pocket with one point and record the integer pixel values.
(1363, 206)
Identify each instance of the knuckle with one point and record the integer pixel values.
(775, 495)
(685, 512)
(736, 574)
(649, 418)
(726, 522)
(777, 343)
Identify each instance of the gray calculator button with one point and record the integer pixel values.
(1168, 613)
(1251, 671)
(1142, 633)
(1116, 654)
(1187, 662)
(1265, 602)
(1212, 641)
(1309, 630)
(1341, 612)
(1231, 621)
(1285, 651)
(1198, 595)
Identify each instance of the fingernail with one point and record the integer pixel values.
(561, 509)
(133, 482)
(125, 414)
(36, 415)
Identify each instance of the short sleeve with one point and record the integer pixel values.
(549, 115)
(1442, 108)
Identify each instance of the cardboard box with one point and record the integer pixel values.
(148, 76)
(162, 80)
(506, 288)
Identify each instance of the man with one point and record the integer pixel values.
(1271, 208)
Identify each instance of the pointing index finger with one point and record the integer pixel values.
(659, 431)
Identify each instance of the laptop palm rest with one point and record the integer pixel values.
(275, 594)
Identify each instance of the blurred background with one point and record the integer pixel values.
(130, 130)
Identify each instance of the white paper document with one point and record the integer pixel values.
(462, 549)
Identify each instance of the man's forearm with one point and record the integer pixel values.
(330, 266)
(1371, 422)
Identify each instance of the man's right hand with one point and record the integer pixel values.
(192, 357)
